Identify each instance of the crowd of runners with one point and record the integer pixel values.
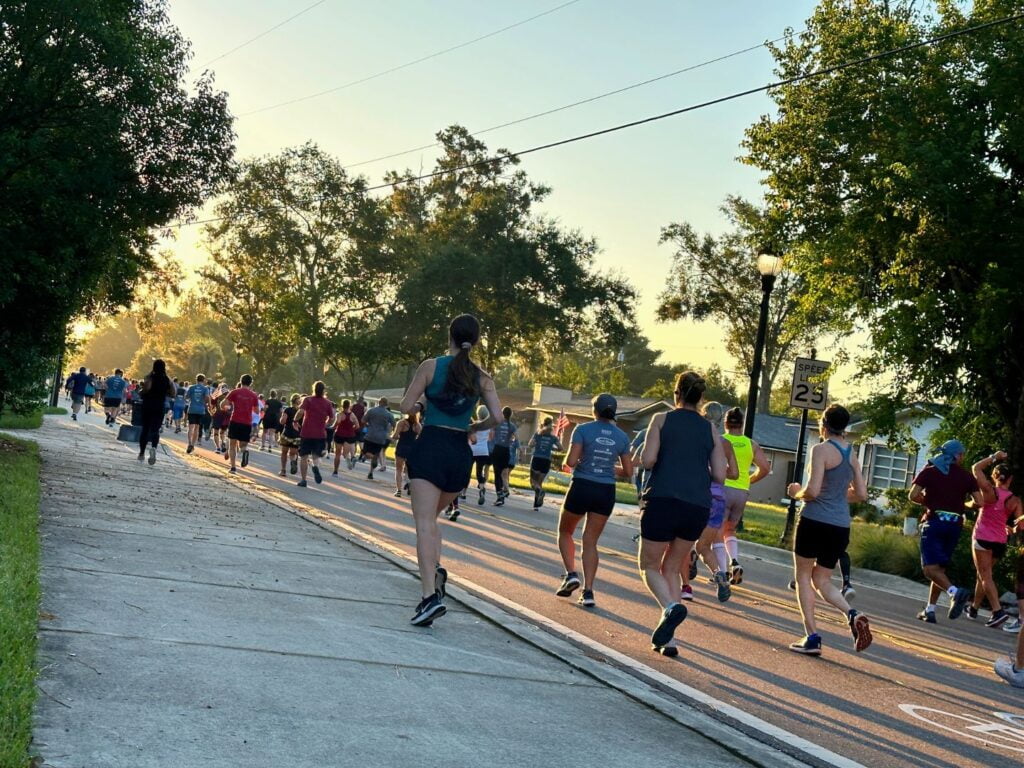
(692, 466)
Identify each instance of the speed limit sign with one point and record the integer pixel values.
(810, 387)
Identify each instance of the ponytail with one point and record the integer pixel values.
(463, 374)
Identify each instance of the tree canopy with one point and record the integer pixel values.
(900, 182)
(100, 143)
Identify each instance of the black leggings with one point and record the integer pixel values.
(151, 422)
(844, 566)
(481, 463)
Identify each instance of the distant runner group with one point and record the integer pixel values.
(695, 470)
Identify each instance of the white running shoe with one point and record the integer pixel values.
(1012, 626)
(1004, 668)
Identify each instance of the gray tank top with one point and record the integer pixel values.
(682, 471)
(831, 505)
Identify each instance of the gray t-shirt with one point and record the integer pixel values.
(379, 424)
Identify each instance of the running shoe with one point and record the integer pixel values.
(809, 646)
(1005, 668)
(430, 608)
(693, 564)
(334, 473)
(74, 417)
(232, 471)
(190, 449)
(848, 592)
(440, 581)
(152, 456)
(928, 617)
(351, 462)
(500, 501)
(282, 473)
(316, 475)
(792, 584)
(587, 599)
(570, 583)
(671, 618)
(959, 602)
(543, 493)
(1013, 627)
(369, 475)
(462, 495)
(245, 458)
(293, 466)
(302, 484)
(397, 494)
(669, 651)
(480, 499)
(971, 612)
(724, 590)
(686, 593)
(454, 515)
(736, 573)
(861, 630)
(142, 455)
(998, 619)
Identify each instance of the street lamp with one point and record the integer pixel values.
(768, 266)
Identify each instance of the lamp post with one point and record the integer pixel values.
(768, 265)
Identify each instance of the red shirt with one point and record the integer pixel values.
(359, 410)
(317, 411)
(945, 492)
(245, 402)
(346, 425)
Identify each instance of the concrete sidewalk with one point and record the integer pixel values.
(187, 622)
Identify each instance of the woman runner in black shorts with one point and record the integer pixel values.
(440, 461)
(289, 436)
(406, 432)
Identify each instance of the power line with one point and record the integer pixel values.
(264, 33)
(673, 113)
(581, 102)
(408, 64)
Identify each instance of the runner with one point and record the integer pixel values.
(988, 541)
(636, 447)
(178, 409)
(68, 386)
(289, 438)
(79, 382)
(823, 532)
(271, 421)
(480, 448)
(737, 491)
(101, 387)
(683, 457)
(198, 398)
(345, 436)
(90, 391)
(440, 462)
(314, 416)
(942, 488)
(709, 546)
(1007, 668)
(206, 422)
(406, 432)
(501, 454)
(544, 443)
(114, 394)
(221, 419)
(592, 458)
(156, 388)
(379, 423)
(359, 409)
(242, 401)
(257, 416)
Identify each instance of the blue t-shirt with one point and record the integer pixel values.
(603, 443)
(115, 388)
(79, 382)
(505, 434)
(543, 445)
(196, 397)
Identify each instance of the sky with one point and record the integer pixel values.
(621, 188)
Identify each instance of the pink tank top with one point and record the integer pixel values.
(991, 525)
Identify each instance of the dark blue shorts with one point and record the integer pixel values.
(442, 457)
(939, 539)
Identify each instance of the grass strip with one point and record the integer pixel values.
(32, 420)
(19, 597)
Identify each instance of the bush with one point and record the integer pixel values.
(885, 549)
(897, 502)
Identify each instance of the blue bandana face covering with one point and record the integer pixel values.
(950, 450)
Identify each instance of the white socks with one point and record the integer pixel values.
(733, 545)
(721, 555)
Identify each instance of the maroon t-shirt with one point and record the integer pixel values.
(245, 401)
(317, 411)
(947, 493)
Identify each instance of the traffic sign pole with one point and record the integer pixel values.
(785, 540)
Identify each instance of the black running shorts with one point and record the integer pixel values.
(372, 448)
(997, 548)
(312, 446)
(538, 464)
(587, 496)
(111, 402)
(441, 457)
(195, 418)
(240, 432)
(822, 542)
(501, 457)
(664, 519)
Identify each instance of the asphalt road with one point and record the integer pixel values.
(920, 696)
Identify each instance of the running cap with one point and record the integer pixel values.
(605, 405)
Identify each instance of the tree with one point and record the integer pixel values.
(630, 369)
(901, 181)
(298, 253)
(100, 142)
(190, 342)
(474, 243)
(716, 279)
(720, 388)
(111, 345)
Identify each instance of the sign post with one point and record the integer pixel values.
(809, 392)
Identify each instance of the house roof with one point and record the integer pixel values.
(631, 407)
(778, 432)
(928, 409)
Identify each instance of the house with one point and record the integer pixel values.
(633, 415)
(885, 467)
(778, 436)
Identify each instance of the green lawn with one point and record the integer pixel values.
(33, 420)
(19, 597)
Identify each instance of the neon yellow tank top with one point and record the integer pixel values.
(743, 447)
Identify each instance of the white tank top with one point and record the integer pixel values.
(480, 447)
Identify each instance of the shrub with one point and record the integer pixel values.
(885, 549)
(897, 502)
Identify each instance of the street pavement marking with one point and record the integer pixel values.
(1005, 732)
